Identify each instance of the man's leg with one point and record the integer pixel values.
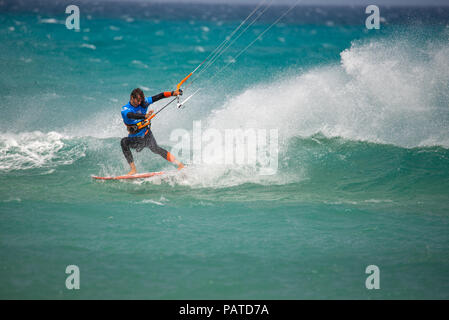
(152, 144)
(128, 143)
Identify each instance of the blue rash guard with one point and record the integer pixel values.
(129, 108)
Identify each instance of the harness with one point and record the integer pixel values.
(134, 128)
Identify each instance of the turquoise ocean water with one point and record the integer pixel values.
(363, 164)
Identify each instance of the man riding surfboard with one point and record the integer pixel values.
(140, 136)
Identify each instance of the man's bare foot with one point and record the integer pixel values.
(179, 164)
(133, 169)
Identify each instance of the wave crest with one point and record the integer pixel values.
(385, 91)
(29, 150)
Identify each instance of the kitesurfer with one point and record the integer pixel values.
(135, 114)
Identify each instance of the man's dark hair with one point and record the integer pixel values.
(138, 94)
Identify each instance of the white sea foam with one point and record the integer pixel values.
(159, 203)
(219, 176)
(140, 64)
(383, 92)
(50, 21)
(88, 46)
(29, 150)
(12, 200)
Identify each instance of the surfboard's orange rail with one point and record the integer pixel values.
(135, 176)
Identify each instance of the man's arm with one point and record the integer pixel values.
(166, 94)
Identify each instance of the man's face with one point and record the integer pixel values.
(135, 101)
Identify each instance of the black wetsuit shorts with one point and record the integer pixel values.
(139, 143)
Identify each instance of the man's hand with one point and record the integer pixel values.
(177, 92)
(149, 114)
